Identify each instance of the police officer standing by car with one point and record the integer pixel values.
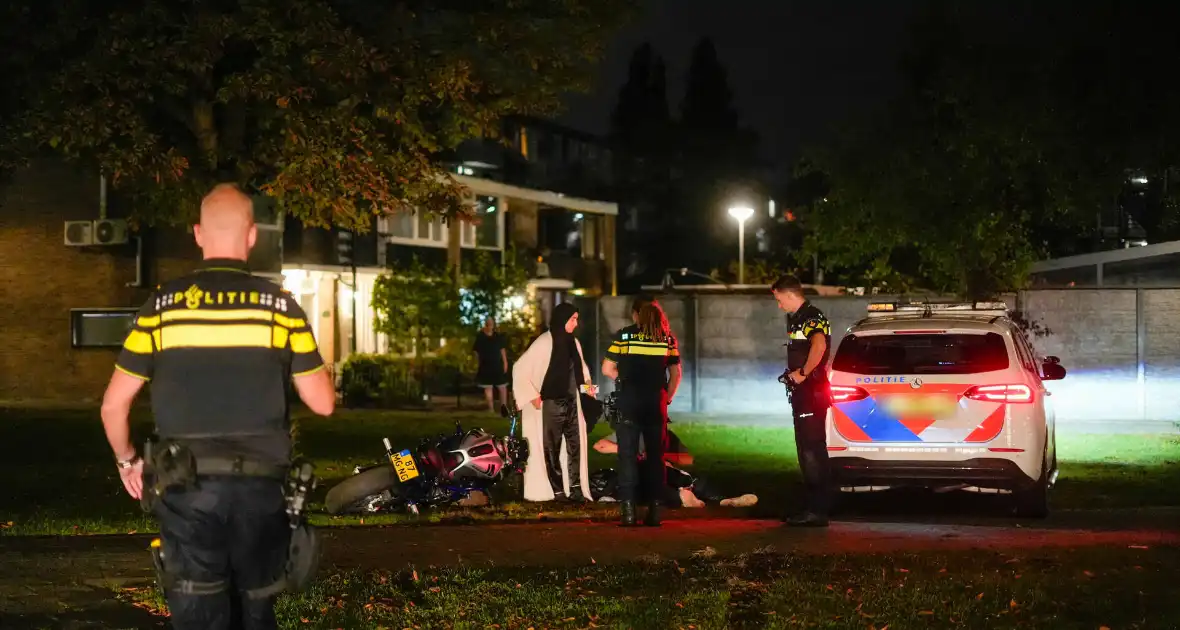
(645, 362)
(806, 378)
(219, 348)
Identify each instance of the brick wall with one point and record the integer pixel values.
(41, 279)
(1120, 346)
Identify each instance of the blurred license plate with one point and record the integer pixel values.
(921, 405)
(404, 466)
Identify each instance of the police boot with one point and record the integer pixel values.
(652, 518)
(627, 514)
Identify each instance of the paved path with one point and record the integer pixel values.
(43, 575)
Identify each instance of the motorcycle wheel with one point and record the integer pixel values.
(355, 489)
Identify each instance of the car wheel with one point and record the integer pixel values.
(1033, 501)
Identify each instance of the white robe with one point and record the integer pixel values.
(527, 376)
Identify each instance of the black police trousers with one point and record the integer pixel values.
(646, 416)
(809, 404)
(559, 419)
(231, 529)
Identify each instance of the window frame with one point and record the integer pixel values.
(468, 233)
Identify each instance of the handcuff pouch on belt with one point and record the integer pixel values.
(303, 549)
(173, 465)
(167, 464)
(785, 379)
(611, 412)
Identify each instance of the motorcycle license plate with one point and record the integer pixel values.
(404, 466)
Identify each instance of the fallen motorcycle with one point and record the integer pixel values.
(446, 470)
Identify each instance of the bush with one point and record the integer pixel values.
(380, 380)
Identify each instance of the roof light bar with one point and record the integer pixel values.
(929, 307)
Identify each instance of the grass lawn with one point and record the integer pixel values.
(60, 478)
(1062, 589)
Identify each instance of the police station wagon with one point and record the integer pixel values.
(946, 396)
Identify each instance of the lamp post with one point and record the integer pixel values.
(742, 214)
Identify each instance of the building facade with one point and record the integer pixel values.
(73, 271)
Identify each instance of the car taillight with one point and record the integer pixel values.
(841, 393)
(1000, 393)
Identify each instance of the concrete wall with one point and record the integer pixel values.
(731, 347)
(1121, 347)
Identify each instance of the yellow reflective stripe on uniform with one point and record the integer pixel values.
(302, 343)
(798, 335)
(648, 351)
(130, 373)
(815, 325)
(279, 337)
(642, 348)
(212, 315)
(289, 322)
(207, 336)
(311, 371)
(148, 322)
(138, 342)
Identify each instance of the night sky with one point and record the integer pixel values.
(795, 68)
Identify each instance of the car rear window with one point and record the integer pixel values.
(932, 353)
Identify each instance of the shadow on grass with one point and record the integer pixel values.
(88, 608)
(1048, 588)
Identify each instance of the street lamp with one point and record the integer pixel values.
(742, 214)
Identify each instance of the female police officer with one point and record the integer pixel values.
(645, 363)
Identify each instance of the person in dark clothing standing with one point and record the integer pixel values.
(808, 347)
(492, 355)
(645, 362)
(220, 348)
(559, 403)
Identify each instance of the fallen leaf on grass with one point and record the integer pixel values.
(926, 612)
(979, 597)
(1087, 574)
(1012, 604)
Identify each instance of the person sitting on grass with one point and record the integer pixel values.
(682, 488)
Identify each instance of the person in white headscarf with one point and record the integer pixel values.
(547, 381)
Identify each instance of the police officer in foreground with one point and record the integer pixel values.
(645, 362)
(219, 348)
(806, 378)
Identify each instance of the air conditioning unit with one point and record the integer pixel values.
(79, 233)
(110, 232)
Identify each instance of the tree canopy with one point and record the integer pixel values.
(337, 109)
(1008, 141)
